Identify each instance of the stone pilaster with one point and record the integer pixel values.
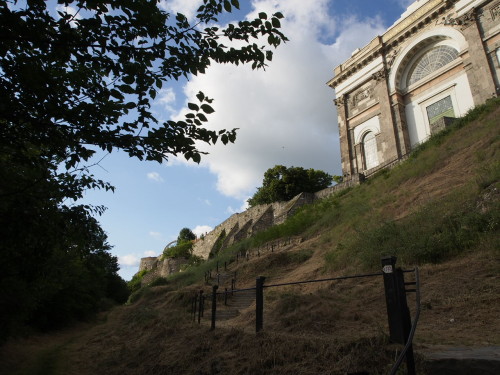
(345, 141)
(476, 65)
(401, 128)
(388, 141)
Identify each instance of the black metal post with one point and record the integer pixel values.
(225, 266)
(195, 305)
(200, 307)
(225, 296)
(259, 303)
(398, 313)
(218, 279)
(214, 306)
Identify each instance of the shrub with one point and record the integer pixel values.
(182, 250)
(135, 283)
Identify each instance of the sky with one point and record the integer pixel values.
(285, 115)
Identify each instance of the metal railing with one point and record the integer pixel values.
(402, 329)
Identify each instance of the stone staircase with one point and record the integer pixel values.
(235, 302)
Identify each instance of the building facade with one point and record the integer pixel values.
(440, 59)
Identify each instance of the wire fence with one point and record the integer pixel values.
(401, 327)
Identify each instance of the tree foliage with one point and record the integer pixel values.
(181, 250)
(82, 80)
(76, 83)
(282, 184)
(185, 235)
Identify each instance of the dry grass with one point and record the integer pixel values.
(323, 328)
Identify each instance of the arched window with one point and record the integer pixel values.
(370, 150)
(431, 61)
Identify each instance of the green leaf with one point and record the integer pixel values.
(207, 109)
(196, 158)
(128, 79)
(276, 22)
(236, 4)
(116, 94)
(227, 6)
(200, 96)
(263, 15)
(193, 107)
(202, 117)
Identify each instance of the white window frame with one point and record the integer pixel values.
(423, 104)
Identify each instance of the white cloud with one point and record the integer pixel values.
(243, 207)
(128, 260)
(157, 235)
(150, 253)
(186, 7)
(155, 176)
(71, 11)
(202, 229)
(166, 98)
(285, 114)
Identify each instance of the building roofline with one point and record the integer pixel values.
(396, 34)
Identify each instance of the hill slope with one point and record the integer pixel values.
(439, 210)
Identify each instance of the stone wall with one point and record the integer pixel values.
(159, 267)
(240, 226)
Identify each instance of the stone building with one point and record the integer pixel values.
(436, 62)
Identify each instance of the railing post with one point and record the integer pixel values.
(214, 306)
(233, 284)
(200, 306)
(225, 296)
(217, 266)
(194, 306)
(225, 266)
(259, 303)
(398, 313)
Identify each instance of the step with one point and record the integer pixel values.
(463, 361)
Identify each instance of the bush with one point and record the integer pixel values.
(135, 283)
(182, 250)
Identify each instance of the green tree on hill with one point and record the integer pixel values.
(281, 184)
(185, 235)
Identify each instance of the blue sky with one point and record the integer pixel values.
(285, 115)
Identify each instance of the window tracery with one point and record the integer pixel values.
(431, 61)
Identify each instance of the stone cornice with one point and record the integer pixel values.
(390, 39)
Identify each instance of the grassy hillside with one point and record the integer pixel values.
(438, 210)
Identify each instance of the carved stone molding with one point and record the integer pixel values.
(466, 19)
(391, 57)
(495, 12)
(339, 102)
(380, 75)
